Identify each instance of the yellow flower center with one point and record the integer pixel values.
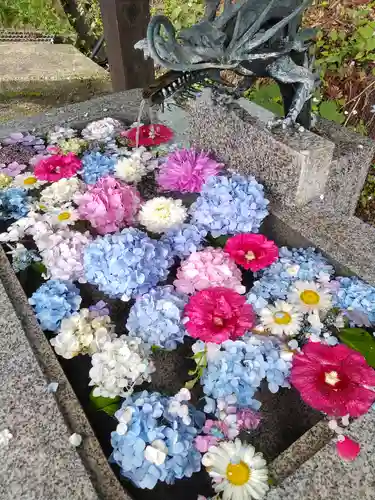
(250, 256)
(64, 216)
(29, 181)
(282, 318)
(238, 474)
(310, 297)
(163, 212)
(331, 378)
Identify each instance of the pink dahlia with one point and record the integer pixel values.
(335, 380)
(55, 167)
(149, 135)
(252, 251)
(218, 314)
(186, 170)
(208, 268)
(109, 205)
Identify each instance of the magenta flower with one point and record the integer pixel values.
(186, 170)
(55, 167)
(348, 449)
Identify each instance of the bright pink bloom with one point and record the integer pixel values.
(252, 251)
(218, 314)
(348, 449)
(209, 268)
(109, 205)
(186, 170)
(149, 135)
(55, 167)
(334, 380)
(247, 419)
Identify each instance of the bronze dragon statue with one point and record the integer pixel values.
(253, 38)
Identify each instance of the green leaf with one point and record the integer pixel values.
(192, 372)
(360, 340)
(366, 31)
(333, 35)
(329, 110)
(100, 403)
(39, 267)
(191, 383)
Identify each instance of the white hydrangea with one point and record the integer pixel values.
(61, 192)
(82, 333)
(161, 214)
(60, 133)
(130, 169)
(120, 365)
(33, 224)
(102, 130)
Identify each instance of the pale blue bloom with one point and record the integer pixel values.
(357, 298)
(126, 264)
(14, 203)
(150, 421)
(156, 318)
(54, 301)
(185, 239)
(230, 205)
(96, 165)
(22, 258)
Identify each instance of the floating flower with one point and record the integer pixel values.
(61, 192)
(103, 130)
(72, 145)
(230, 205)
(60, 134)
(149, 135)
(134, 167)
(26, 140)
(218, 314)
(99, 309)
(54, 301)
(95, 166)
(55, 167)
(252, 251)
(119, 365)
(22, 257)
(186, 170)
(356, 298)
(5, 181)
(27, 180)
(12, 169)
(82, 333)
(62, 216)
(14, 203)
(109, 205)
(347, 449)
(185, 239)
(156, 318)
(281, 319)
(335, 380)
(237, 471)
(127, 264)
(152, 444)
(211, 267)
(161, 214)
(309, 297)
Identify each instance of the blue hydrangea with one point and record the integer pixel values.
(14, 203)
(357, 296)
(303, 264)
(156, 318)
(54, 301)
(96, 165)
(185, 240)
(239, 368)
(23, 258)
(126, 264)
(230, 205)
(146, 419)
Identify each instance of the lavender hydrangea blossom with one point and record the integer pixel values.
(54, 301)
(96, 165)
(126, 264)
(14, 203)
(156, 318)
(230, 205)
(185, 240)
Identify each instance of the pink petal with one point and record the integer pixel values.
(348, 449)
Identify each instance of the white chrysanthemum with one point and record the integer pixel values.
(130, 169)
(60, 192)
(238, 472)
(102, 130)
(281, 319)
(63, 216)
(309, 297)
(27, 180)
(160, 214)
(119, 366)
(82, 333)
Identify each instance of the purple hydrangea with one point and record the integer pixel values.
(185, 239)
(357, 299)
(25, 139)
(14, 203)
(95, 166)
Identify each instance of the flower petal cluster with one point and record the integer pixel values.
(127, 264)
(118, 366)
(211, 267)
(55, 167)
(186, 170)
(25, 140)
(185, 239)
(252, 251)
(135, 165)
(230, 205)
(5, 180)
(357, 298)
(103, 130)
(60, 133)
(153, 444)
(95, 166)
(156, 318)
(74, 145)
(149, 135)
(12, 169)
(27, 180)
(82, 333)
(54, 301)
(109, 205)
(61, 192)
(14, 203)
(161, 214)
(22, 257)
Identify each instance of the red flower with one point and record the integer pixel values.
(252, 251)
(55, 167)
(149, 135)
(218, 314)
(348, 449)
(333, 379)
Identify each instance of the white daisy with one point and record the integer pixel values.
(160, 214)
(237, 471)
(27, 180)
(310, 297)
(281, 319)
(63, 216)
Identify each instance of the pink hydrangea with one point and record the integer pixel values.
(55, 167)
(109, 205)
(209, 268)
(247, 419)
(186, 170)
